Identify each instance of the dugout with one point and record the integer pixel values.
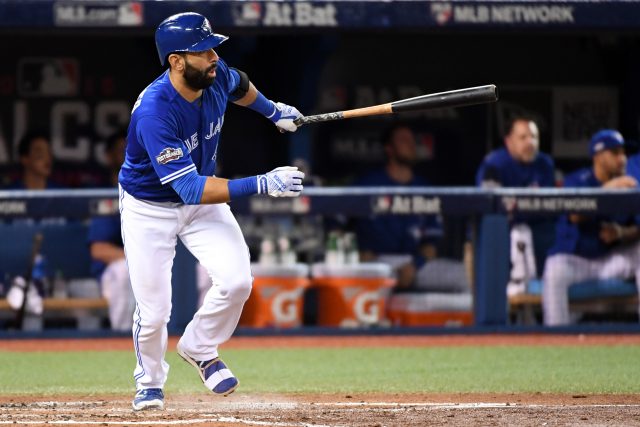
(570, 65)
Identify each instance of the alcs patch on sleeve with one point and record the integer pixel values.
(168, 155)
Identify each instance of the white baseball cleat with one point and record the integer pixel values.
(214, 374)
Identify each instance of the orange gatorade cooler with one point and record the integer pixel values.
(351, 295)
(276, 297)
(431, 309)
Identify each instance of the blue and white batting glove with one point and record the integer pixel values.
(283, 117)
(285, 181)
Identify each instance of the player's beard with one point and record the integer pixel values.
(197, 79)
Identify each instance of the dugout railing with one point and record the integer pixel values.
(486, 212)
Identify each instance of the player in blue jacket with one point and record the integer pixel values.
(518, 164)
(168, 191)
(404, 241)
(592, 247)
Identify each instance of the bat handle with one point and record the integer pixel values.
(318, 118)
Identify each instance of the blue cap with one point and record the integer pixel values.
(605, 139)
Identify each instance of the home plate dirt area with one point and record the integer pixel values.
(328, 410)
(370, 409)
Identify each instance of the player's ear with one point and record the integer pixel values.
(176, 61)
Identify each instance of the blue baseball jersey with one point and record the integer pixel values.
(396, 234)
(169, 137)
(633, 166)
(500, 168)
(583, 239)
(104, 229)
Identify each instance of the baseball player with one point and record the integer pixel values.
(404, 241)
(592, 247)
(168, 191)
(518, 164)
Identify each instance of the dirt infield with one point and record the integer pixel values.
(306, 410)
(329, 410)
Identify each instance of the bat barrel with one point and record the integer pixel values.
(453, 98)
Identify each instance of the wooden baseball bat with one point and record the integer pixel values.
(35, 250)
(449, 99)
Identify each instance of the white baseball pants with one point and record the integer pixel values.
(211, 233)
(563, 270)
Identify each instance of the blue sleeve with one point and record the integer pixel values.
(573, 180)
(549, 178)
(432, 228)
(104, 229)
(167, 152)
(488, 172)
(190, 187)
(230, 76)
(480, 174)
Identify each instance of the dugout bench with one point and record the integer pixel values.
(66, 251)
(591, 297)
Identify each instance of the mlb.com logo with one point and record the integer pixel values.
(82, 14)
(442, 12)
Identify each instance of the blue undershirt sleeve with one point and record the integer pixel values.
(264, 106)
(190, 187)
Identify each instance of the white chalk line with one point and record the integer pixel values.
(103, 405)
(166, 422)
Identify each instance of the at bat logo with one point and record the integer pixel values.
(168, 155)
(406, 205)
(299, 14)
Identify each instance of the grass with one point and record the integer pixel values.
(501, 369)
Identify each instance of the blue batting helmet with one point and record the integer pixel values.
(185, 32)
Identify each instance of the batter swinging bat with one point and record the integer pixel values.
(452, 98)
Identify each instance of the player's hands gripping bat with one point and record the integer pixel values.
(284, 117)
(285, 181)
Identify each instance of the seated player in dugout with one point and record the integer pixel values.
(34, 150)
(519, 164)
(592, 247)
(405, 242)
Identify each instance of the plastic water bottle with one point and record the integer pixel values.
(287, 255)
(268, 256)
(334, 254)
(352, 256)
(59, 286)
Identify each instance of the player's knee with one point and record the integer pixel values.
(156, 319)
(240, 288)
